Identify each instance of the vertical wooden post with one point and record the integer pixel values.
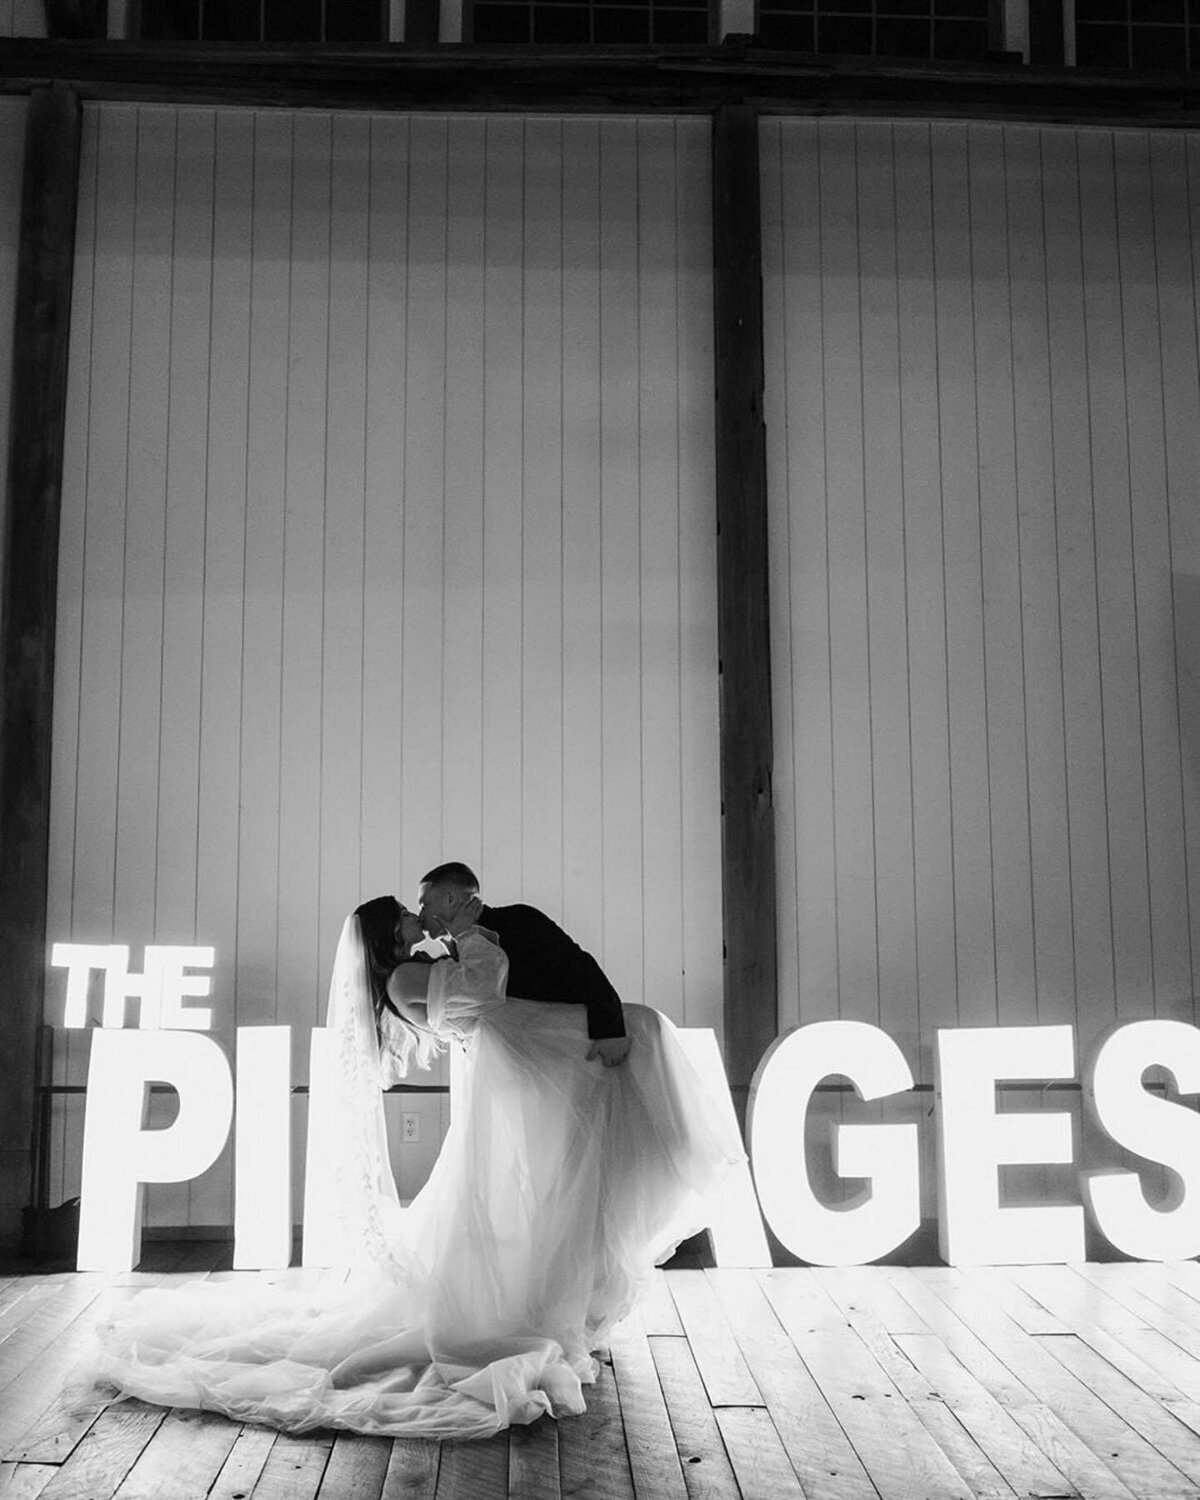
(1048, 40)
(748, 836)
(31, 513)
(421, 22)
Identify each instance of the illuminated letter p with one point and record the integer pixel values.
(120, 1155)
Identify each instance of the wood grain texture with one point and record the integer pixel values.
(747, 747)
(707, 1472)
(107, 1452)
(653, 1462)
(726, 1376)
(1101, 1406)
(820, 1453)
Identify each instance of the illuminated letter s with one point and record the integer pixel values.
(1158, 1129)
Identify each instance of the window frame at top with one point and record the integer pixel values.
(380, 33)
(814, 25)
(1172, 34)
(652, 8)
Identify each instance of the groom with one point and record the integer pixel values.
(543, 962)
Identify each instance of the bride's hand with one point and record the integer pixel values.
(611, 1050)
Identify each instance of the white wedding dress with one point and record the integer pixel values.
(559, 1185)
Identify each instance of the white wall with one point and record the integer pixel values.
(984, 439)
(387, 538)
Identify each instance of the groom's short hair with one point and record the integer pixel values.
(459, 875)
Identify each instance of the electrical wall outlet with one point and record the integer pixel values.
(410, 1126)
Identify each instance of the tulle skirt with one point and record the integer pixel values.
(559, 1185)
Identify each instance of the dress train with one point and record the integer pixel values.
(559, 1185)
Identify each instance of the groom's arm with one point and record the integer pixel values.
(577, 975)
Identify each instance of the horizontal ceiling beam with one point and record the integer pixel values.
(677, 80)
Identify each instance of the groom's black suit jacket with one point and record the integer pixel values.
(545, 964)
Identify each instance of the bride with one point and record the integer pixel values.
(559, 1185)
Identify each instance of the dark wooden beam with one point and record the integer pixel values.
(748, 818)
(1047, 42)
(31, 512)
(692, 79)
(421, 20)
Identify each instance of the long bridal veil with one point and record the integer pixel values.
(559, 1184)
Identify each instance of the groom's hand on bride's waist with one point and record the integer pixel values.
(611, 1050)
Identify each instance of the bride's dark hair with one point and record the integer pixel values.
(377, 920)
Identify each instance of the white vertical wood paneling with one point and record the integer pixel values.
(1149, 436)
(542, 486)
(258, 684)
(883, 541)
(581, 557)
(1084, 768)
(1116, 602)
(620, 502)
(459, 802)
(387, 539)
(1005, 689)
(502, 327)
(925, 623)
(302, 685)
(663, 960)
(343, 534)
(966, 680)
(1040, 595)
(982, 376)
(224, 561)
(1176, 231)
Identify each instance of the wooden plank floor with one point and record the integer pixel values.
(878, 1383)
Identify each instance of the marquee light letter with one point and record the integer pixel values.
(885, 1154)
(79, 959)
(175, 986)
(160, 989)
(323, 1241)
(1158, 1129)
(262, 1173)
(120, 1154)
(120, 985)
(974, 1142)
(735, 1224)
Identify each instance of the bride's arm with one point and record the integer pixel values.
(408, 988)
(405, 1034)
(473, 979)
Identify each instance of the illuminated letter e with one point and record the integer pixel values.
(974, 1142)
